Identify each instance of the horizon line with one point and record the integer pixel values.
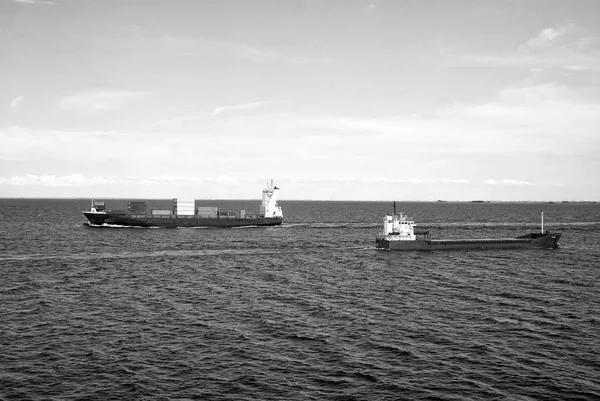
(309, 200)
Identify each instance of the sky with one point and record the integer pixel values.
(334, 100)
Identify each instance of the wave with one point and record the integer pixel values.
(327, 225)
(137, 255)
(106, 225)
(452, 224)
(509, 224)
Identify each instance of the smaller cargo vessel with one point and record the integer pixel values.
(399, 234)
(184, 213)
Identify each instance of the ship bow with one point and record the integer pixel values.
(96, 219)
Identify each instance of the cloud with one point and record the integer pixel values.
(215, 112)
(355, 180)
(506, 181)
(364, 125)
(576, 67)
(371, 7)
(546, 37)
(456, 181)
(555, 47)
(44, 180)
(17, 101)
(37, 146)
(34, 2)
(210, 48)
(242, 106)
(192, 46)
(550, 106)
(98, 101)
(587, 42)
(78, 180)
(515, 182)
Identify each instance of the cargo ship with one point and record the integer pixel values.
(184, 213)
(399, 234)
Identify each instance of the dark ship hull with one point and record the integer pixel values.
(533, 240)
(127, 220)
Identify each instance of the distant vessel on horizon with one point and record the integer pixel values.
(399, 235)
(184, 213)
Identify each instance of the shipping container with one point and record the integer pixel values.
(161, 213)
(208, 215)
(180, 213)
(207, 209)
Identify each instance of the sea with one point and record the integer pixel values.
(309, 310)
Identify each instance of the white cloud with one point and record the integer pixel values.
(209, 48)
(77, 180)
(546, 37)
(587, 42)
(554, 47)
(506, 181)
(17, 101)
(34, 2)
(215, 112)
(576, 67)
(178, 119)
(364, 125)
(192, 46)
(221, 178)
(371, 7)
(515, 182)
(44, 180)
(98, 101)
(549, 109)
(456, 181)
(355, 180)
(222, 109)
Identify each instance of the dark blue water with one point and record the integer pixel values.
(306, 311)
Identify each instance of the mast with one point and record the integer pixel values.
(542, 222)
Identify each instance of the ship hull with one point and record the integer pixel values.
(529, 241)
(108, 219)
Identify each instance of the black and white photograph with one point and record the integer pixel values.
(299, 200)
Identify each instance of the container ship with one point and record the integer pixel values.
(184, 213)
(399, 234)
